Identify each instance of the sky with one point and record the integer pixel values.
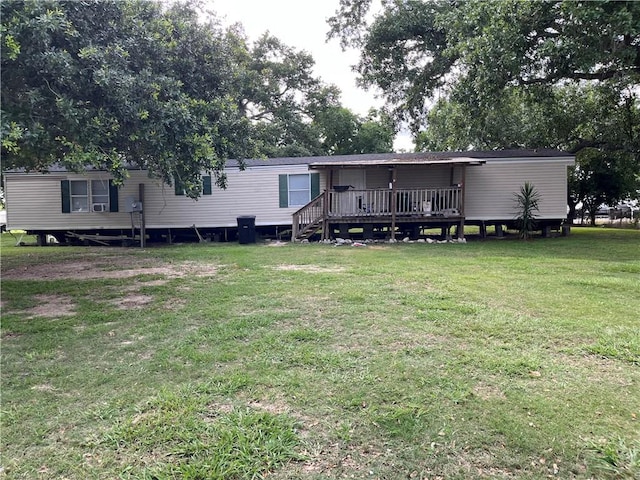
(302, 24)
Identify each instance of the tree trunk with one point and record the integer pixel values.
(571, 214)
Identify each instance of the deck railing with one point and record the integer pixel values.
(408, 202)
(313, 213)
(417, 202)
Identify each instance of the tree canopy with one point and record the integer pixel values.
(121, 83)
(112, 84)
(510, 73)
(416, 50)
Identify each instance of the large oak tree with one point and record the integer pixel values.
(118, 83)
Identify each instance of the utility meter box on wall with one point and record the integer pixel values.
(132, 205)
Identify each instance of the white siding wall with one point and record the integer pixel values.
(490, 188)
(254, 191)
(34, 201)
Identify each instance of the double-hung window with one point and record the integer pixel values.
(79, 195)
(206, 186)
(99, 196)
(89, 196)
(298, 189)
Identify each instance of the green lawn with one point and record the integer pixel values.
(494, 359)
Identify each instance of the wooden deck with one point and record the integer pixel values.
(442, 206)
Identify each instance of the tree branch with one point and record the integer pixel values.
(601, 144)
(603, 75)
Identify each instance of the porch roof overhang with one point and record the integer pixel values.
(393, 162)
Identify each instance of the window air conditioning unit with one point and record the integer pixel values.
(99, 207)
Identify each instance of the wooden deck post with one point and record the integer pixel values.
(295, 222)
(462, 192)
(461, 229)
(326, 235)
(394, 203)
(325, 213)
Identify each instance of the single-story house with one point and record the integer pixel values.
(381, 194)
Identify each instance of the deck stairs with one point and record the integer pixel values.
(309, 231)
(309, 219)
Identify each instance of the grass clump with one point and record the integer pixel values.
(618, 459)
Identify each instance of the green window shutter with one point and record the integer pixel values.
(179, 188)
(113, 197)
(284, 191)
(315, 185)
(206, 185)
(65, 188)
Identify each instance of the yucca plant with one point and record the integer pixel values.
(527, 209)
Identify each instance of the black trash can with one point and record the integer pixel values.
(247, 229)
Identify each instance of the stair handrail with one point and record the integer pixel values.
(309, 214)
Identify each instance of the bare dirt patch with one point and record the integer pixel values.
(132, 301)
(51, 306)
(275, 408)
(597, 369)
(45, 387)
(335, 458)
(309, 268)
(488, 392)
(10, 335)
(109, 266)
(277, 243)
(215, 410)
(174, 304)
(146, 355)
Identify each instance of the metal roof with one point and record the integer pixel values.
(471, 157)
(399, 161)
(421, 158)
